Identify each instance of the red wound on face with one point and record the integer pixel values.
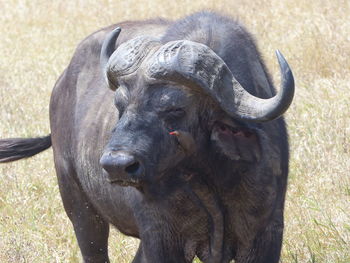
(174, 133)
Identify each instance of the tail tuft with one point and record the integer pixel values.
(19, 148)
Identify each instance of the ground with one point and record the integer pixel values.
(37, 41)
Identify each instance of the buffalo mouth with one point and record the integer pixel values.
(131, 182)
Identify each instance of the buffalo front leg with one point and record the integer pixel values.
(158, 247)
(266, 247)
(158, 255)
(139, 257)
(90, 228)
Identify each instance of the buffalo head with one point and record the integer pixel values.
(177, 103)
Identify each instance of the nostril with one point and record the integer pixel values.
(120, 164)
(106, 163)
(132, 169)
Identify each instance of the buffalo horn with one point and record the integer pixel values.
(107, 50)
(190, 63)
(127, 58)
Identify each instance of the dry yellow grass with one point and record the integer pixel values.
(37, 41)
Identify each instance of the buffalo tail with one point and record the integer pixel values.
(19, 148)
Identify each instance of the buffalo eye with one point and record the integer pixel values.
(173, 114)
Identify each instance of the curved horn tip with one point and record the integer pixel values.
(112, 36)
(107, 49)
(281, 102)
(285, 69)
(287, 85)
(116, 30)
(108, 45)
(282, 61)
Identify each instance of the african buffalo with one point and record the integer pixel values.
(185, 150)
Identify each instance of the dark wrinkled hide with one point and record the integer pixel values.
(180, 174)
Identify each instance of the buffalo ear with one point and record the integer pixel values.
(238, 143)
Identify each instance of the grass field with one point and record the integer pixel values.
(37, 41)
